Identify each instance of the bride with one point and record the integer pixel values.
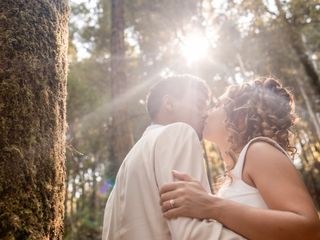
(263, 196)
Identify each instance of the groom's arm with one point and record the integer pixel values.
(178, 148)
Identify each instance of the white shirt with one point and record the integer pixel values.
(133, 209)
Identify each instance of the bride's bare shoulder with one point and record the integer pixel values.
(264, 156)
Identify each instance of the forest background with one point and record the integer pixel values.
(118, 49)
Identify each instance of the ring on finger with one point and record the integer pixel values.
(172, 203)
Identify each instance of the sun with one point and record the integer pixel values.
(194, 47)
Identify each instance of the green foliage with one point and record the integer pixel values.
(87, 88)
(251, 39)
(83, 225)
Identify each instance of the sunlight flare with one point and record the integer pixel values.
(194, 47)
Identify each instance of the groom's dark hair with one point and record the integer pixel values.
(176, 86)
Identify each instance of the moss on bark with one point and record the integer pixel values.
(33, 68)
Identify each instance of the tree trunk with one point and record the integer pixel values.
(33, 73)
(312, 114)
(93, 197)
(308, 175)
(121, 136)
(301, 52)
(295, 40)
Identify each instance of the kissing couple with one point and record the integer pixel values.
(162, 191)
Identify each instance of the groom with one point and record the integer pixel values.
(177, 107)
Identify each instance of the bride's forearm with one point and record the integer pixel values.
(255, 223)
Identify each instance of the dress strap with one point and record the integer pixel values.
(238, 168)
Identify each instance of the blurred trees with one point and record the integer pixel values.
(282, 42)
(245, 38)
(121, 136)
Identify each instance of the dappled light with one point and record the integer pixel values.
(223, 42)
(89, 102)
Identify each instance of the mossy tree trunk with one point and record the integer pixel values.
(121, 134)
(33, 68)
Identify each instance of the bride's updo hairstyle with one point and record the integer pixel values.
(262, 107)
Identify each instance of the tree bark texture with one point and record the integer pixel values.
(33, 73)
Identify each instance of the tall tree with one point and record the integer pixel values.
(121, 137)
(295, 39)
(33, 63)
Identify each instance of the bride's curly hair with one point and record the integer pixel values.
(262, 107)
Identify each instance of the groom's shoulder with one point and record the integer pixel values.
(177, 130)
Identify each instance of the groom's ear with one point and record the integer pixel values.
(168, 103)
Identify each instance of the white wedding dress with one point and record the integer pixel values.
(239, 191)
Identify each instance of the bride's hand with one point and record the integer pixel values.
(185, 198)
